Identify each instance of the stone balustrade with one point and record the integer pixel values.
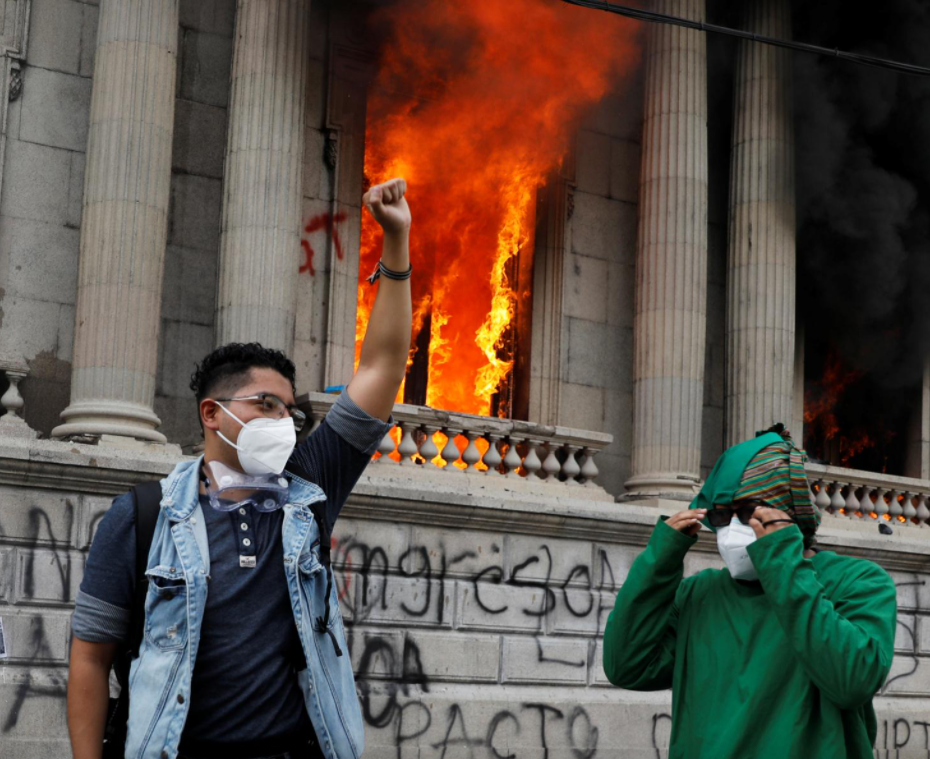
(479, 445)
(865, 496)
(12, 422)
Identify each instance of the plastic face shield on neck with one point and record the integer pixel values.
(229, 489)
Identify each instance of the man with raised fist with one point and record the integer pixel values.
(212, 589)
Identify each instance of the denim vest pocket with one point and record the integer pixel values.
(166, 608)
(309, 562)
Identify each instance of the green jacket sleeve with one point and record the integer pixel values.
(846, 645)
(639, 640)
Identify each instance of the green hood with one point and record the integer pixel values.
(724, 479)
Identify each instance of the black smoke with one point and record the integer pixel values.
(863, 184)
(863, 192)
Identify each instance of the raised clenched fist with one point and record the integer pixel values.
(387, 204)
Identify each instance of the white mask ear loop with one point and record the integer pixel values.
(221, 435)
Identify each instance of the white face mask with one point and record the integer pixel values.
(264, 444)
(732, 541)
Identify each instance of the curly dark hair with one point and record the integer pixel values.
(226, 369)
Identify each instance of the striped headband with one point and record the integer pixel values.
(776, 475)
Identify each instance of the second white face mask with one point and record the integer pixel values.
(732, 542)
(264, 444)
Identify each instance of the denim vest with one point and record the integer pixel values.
(178, 573)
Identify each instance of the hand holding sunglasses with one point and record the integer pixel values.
(688, 522)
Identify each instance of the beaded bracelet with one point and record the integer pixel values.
(389, 273)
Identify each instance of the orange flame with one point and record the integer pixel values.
(474, 104)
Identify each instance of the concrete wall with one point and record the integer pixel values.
(474, 617)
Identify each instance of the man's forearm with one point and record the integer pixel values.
(88, 694)
(383, 361)
(387, 340)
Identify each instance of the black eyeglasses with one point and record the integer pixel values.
(272, 405)
(722, 517)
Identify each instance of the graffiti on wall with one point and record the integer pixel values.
(322, 225)
(366, 584)
(36, 643)
(532, 596)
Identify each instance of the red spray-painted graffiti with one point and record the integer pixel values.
(323, 222)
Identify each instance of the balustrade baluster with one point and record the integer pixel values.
(570, 468)
(589, 469)
(907, 508)
(471, 455)
(866, 506)
(923, 513)
(408, 446)
(492, 457)
(895, 509)
(512, 457)
(428, 448)
(551, 465)
(531, 462)
(450, 451)
(852, 503)
(822, 499)
(386, 448)
(881, 505)
(837, 502)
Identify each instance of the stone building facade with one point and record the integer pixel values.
(142, 144)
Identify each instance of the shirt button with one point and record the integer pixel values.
(243, 526)
(246, 542)
(242, 511)
(180, 698)
(164, 755)
(193, 520)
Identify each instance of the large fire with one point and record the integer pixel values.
(474, 105)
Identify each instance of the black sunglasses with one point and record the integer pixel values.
(722, 517)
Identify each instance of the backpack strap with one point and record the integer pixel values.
(318, 510)
(146, 503)
(322, 622)
(147, 498)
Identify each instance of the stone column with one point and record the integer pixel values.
(124, 222)
(761, 260)
(260, 238)
(671, 262)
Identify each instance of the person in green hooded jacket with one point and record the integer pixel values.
(777, 656)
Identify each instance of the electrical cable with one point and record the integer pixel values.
(804, 47)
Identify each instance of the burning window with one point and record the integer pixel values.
(475, 104)
(858, 419)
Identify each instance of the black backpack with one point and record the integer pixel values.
(146, 499)
(147, 502)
